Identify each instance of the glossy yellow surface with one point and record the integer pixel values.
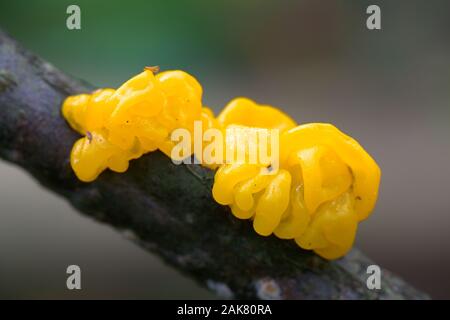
(325, 185)
(245, 112)
(121, 125)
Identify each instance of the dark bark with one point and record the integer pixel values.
(167, 208)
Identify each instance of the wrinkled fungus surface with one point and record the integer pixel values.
(325, 184)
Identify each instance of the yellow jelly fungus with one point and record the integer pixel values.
(364, 171)
(324, 185)
(245, 112)
(121, 125)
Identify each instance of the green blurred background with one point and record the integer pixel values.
(315, 59)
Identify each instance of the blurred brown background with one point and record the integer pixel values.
(390, 89)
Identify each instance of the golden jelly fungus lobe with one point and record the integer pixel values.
(245, 112)
(326, 185)
(121, 125)
(363, 170)
(314, 190)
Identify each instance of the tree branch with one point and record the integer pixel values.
(167, 208)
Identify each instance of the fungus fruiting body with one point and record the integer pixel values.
(324, 183)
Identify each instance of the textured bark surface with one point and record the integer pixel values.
(167, 209)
